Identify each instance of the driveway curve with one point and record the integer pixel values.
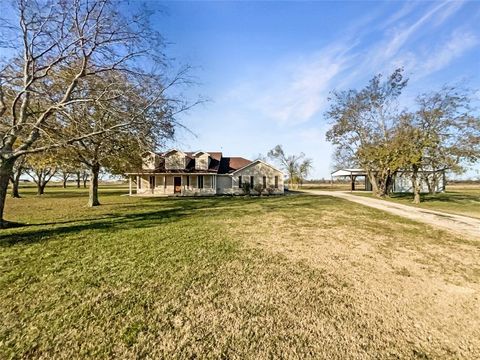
(462, 225)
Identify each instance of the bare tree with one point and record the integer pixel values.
(296, 166)
(57, 46)
(120, 150)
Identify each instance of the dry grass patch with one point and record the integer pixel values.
(280, 277)
(417, 277)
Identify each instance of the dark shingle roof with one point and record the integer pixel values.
(230, 164)
(218, 164)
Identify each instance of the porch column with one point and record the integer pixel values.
(130, 185)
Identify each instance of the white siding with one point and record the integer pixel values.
(202, 162)
(258, 171)
(212, 184)
(403, 184)
(224, 184)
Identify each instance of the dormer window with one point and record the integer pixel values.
(150, 161)
(175, 160)
(202, 160)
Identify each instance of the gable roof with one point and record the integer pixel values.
(257, 162)
(200, 153)
(171, 151)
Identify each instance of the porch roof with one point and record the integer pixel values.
(173, 172)
(349, 172)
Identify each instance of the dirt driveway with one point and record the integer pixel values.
(458, 224)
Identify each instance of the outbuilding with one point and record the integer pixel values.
(402, 180)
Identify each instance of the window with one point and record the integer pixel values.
(200, 181)
(188, 180)
(264, 182)
(251, 182)
(276, 182)
(240, 182)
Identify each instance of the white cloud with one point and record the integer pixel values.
(293, 91)
(397, 47)
(453, 48)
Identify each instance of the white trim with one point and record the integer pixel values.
(172, 150)
(173, 174)
(200, 152)
(256, 162)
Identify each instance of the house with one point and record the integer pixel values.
(201, 173)
(402, 180)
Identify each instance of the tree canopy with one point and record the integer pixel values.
(68, 56)
(370, 130)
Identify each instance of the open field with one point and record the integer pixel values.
(294, 277)
(462, 199)
(336, 186)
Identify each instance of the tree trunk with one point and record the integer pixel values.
(15, 186)
(6, 171)
(78, 180)
(373, 182)
(415, 185)
(93, 190)
(41, 187)
(432, 184)
(388, 184)
(65, 183)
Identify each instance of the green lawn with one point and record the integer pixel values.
(458, 199)
(240, 278)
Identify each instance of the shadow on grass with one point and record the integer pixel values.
(173, 209)
(36, 233)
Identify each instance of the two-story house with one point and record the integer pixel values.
(178, 173)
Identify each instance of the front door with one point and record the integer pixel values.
(177, 183)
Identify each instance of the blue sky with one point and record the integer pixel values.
(268, 67)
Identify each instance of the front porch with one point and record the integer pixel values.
(172, 184)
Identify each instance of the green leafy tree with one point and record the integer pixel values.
(451, 131)
(362, 125)
(41, 168)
